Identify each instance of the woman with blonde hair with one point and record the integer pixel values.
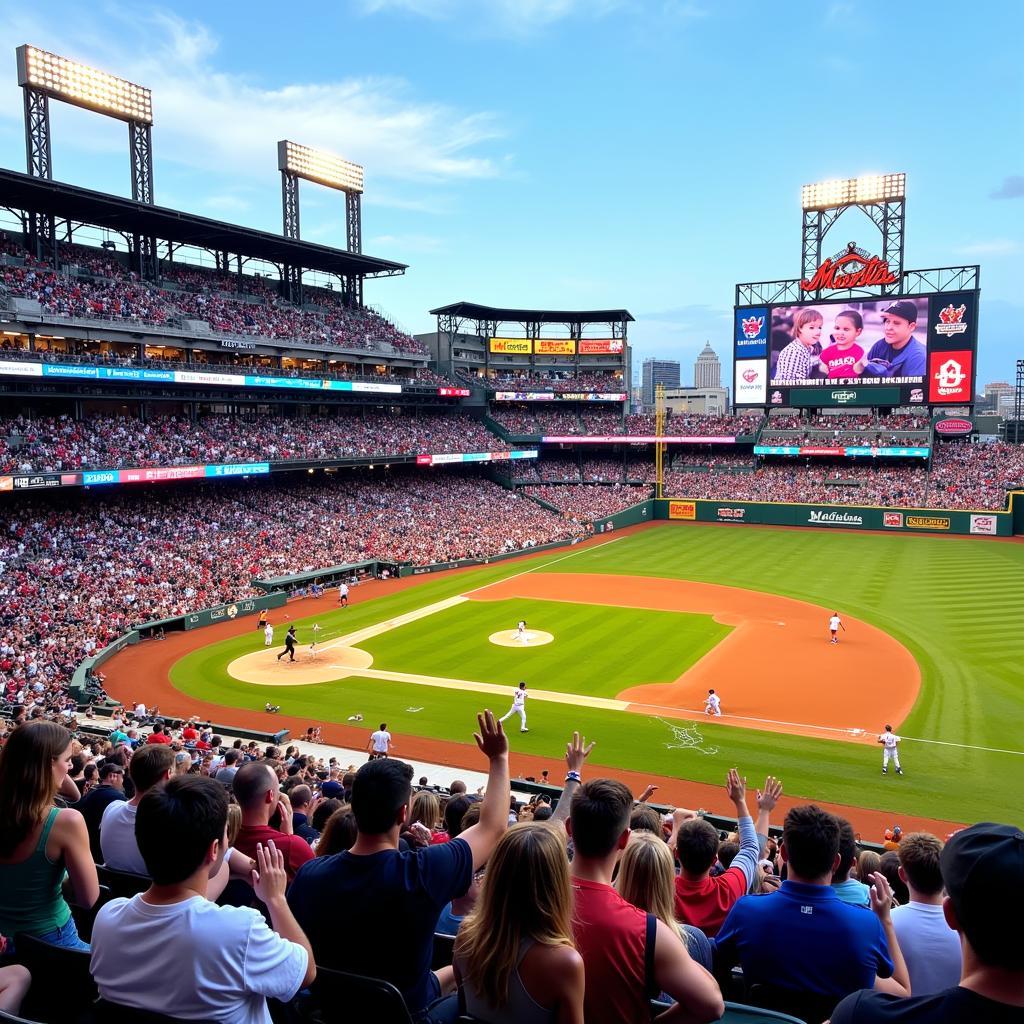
(646, 878)
(426, 809)
(534, 974)
(39, 841)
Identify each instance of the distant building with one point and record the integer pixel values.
(707, 370)
(655, 372)
(996, 395)
(705, 401)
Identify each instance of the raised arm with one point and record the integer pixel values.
(576, 752)
(483, 836)
(695, 992)
(766, 801)
(746, 859)
(898, 984)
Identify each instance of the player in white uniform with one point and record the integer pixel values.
(521, 634)
(834, 625)
(268, 635)
(890, 742)
(518, 708)
(713, 704)
(343, 595)
(380, 742)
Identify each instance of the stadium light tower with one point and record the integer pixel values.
(296, 161)
(881, 196)
(42, 75)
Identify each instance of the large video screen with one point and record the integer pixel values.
(905, 350)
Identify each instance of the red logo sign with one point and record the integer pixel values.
(850, 270)
(752, 325)
(750, 376)
(953, 426)
(893, 520)
(949, 377)
(951, 320)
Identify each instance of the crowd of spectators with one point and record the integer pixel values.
(968, 475)
(586, 502)
(102, 288)
(62, 443)
(76, 575)
(695, 425)
(568, 380)
(249, 858)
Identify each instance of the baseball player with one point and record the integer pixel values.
(379, 744)
(518, 707)
(343, 595)
(313, 642)
(268, 635)
(890, 742)
(289, 645)
(521, 632)
(834, 625)
(713, 704)
(262, 619)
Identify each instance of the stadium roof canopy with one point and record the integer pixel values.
(39, 195)
(474, 311)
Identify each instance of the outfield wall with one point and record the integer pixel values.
(840, 517)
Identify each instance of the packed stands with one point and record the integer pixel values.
(55, 444)
(587, 502)
(103, 289)
(695, 425)
(968, 475)
(585, 381)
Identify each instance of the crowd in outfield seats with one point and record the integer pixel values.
(113, 293)
(587, 502)
(566, 380)
(62, 444)
(254, 867)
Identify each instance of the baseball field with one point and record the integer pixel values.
(625, 636)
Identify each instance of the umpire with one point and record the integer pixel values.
(289, 645)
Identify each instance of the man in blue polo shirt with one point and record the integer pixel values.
(804, 939)
(899, 353)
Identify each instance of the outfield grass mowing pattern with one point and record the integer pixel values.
(957, 604)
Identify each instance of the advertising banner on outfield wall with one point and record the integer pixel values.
(840, 517)
(600, 346)
(554, 346)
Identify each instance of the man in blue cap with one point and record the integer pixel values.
(983, 871)
(899, 353)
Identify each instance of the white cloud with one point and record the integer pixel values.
(229, 124)
(509, 17)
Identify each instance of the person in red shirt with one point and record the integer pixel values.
(158, 735)
(704, 900)
(258, 792)
(628, 955)
(189, 734)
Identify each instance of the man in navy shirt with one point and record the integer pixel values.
(803, 939)
(372, 910)
(899, 353)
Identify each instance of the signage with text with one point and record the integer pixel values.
(511, 346)
(600, 346)
(554, 346)
(851, 270)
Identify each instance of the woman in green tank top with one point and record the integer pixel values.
(39, 842)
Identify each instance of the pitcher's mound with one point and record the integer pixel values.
(329, 663)
(510, 638)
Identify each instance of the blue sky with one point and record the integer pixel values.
(570, 153)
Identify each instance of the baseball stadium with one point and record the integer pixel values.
(239, 495)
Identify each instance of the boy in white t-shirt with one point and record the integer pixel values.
(380, 742)
(834, 625)
(170, 949)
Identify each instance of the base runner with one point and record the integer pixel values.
(518, 707)
(890, 742)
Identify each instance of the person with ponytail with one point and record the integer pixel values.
(39, 841)
(533, 974)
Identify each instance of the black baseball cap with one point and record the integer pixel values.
(110, 769)
(904, 308)
(983, 872)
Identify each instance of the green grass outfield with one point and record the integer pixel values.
(956, 604)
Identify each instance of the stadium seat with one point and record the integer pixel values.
(443, 947)
(122, 883)
(84, 916)
(803, 1006)
(66, 992)
(341, 998)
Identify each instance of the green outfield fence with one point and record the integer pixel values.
(978, 523)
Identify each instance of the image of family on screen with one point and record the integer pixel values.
(849, 341)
